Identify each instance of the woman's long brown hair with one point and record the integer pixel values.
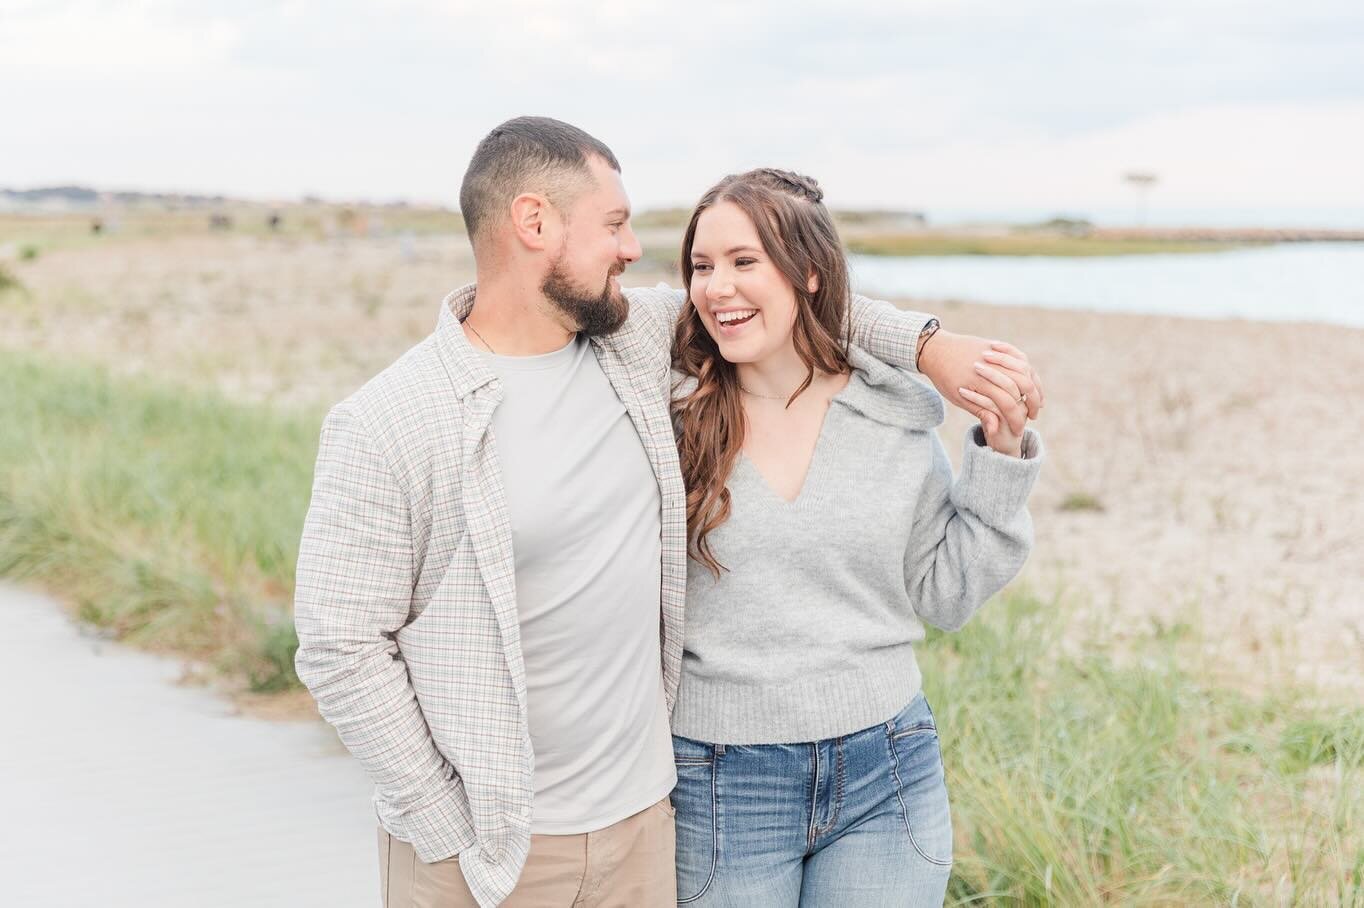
(798, 234)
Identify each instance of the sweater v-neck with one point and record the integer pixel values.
(813, 469)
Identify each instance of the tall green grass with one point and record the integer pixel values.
(170, 517)
(1094, 777)
(1078, 775)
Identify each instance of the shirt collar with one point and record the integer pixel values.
(467, 370)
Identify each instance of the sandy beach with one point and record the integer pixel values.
(1204, 477)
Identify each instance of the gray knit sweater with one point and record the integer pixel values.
(810, 633)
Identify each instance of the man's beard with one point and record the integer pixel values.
(602, 313)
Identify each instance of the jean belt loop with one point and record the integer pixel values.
(719, 750)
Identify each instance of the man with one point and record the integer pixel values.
(492, 572)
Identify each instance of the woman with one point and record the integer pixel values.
(825, 530)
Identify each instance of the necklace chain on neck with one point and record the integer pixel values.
(764, 396)
(480, 337)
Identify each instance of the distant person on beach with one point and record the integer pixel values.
(493, 566)
(825, 531)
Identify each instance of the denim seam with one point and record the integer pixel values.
(714, 831)
(922, 728)
(813, 829)
(904, 810)
(840, 774)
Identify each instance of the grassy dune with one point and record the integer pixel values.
(50, 232)
(1088, 778)
(171, 519)
(1079, 776)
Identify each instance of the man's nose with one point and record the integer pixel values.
(630, 249)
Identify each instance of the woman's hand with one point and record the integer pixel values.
(1001, 394)
(947, 358)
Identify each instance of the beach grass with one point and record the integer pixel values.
(169, 518)
(1094, 776)
(8, 282)
(1079, 774)
(32, 234)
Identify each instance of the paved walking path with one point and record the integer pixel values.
(121, 788)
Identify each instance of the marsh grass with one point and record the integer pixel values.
(1079, 774)
(1122, 778)
(43, 232)
(8, 282)
(1081, 501)
(169, 518)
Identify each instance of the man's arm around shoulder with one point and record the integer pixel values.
(950, 361)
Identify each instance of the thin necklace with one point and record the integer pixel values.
(765, 396)
(480, 337)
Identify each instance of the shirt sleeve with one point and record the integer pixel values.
(887, 332)
(353, 591)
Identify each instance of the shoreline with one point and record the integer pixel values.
(1196, 481)
(1185, 488)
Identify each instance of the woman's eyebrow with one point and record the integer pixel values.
(742, 249)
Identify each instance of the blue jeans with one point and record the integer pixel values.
(856, 821)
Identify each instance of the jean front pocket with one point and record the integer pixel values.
(921, 785)
(694, 799)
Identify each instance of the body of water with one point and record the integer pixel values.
(1316, 282)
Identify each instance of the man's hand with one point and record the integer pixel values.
(953, 361)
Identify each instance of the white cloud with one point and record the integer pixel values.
(1244, 156)
(89, 38)
(936, 102)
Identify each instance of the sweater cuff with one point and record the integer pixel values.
(996, 486)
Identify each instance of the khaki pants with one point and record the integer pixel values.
(629, 864)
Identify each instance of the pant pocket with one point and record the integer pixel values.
(693, 801)
(921, 786)
(397, 869)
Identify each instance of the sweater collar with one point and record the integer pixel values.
(888, 395)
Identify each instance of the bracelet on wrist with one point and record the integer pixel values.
(929, 329)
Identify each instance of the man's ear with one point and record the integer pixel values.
(812, 284)
(530, 212)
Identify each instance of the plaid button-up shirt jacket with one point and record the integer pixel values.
(406, 596)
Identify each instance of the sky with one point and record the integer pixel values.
(973, 105)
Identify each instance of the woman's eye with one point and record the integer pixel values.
(742, 262)
(699, 267)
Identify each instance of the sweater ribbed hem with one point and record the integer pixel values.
(823, 704)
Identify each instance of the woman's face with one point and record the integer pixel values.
(744, 300)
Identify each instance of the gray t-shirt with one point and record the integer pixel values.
(586, 535)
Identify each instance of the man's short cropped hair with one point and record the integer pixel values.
(527, 154)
